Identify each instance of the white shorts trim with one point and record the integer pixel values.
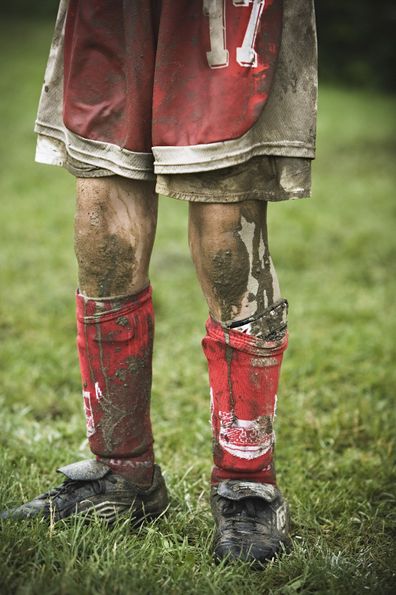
(195, 158)
(55, 145)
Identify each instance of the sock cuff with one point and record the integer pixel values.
(242, 341)
(91, 310)
(269, 325)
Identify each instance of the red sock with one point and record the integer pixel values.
(244, 375)
(115, 342)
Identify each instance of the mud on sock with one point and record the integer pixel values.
(244, 375)
(115, 342)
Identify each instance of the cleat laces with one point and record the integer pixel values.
(248, 507)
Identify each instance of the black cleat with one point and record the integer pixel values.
(91, 488)
(252, 521)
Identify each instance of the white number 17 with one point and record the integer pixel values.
(218, 56)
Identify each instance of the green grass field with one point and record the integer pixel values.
(335, 256)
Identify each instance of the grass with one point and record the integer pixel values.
(335, 256)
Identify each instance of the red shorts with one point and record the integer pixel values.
(138, 74)
(138, 88)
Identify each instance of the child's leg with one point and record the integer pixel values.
(114, 234)
(246, 334)
(244, 345)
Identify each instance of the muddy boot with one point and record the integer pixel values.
(252, 521)
(91, 488)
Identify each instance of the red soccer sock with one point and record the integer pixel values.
(115, 342)
(244, 375)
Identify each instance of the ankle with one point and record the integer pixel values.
(264, 475)
(138, 471)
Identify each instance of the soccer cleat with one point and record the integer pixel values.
(91, 488)
(252, 521)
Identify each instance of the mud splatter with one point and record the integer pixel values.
(123, 321)
(228, 356)
(264, 362)
(114, 232)
(229, 245)
(111, 262)
(263, 287)
(115, 403)
(229, 273)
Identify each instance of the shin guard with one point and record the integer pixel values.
(115, 342)
(244, 375)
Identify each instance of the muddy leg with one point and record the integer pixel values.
(246, 335)
(229, 247)
(114, 234)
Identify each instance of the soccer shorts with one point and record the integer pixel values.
(215, 99)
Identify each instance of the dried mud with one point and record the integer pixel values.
(114, 233)
(232, 259)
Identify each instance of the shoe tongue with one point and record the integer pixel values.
(238, 490)
(85, 470)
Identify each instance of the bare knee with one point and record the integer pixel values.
(114, 233)
(230, 251)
